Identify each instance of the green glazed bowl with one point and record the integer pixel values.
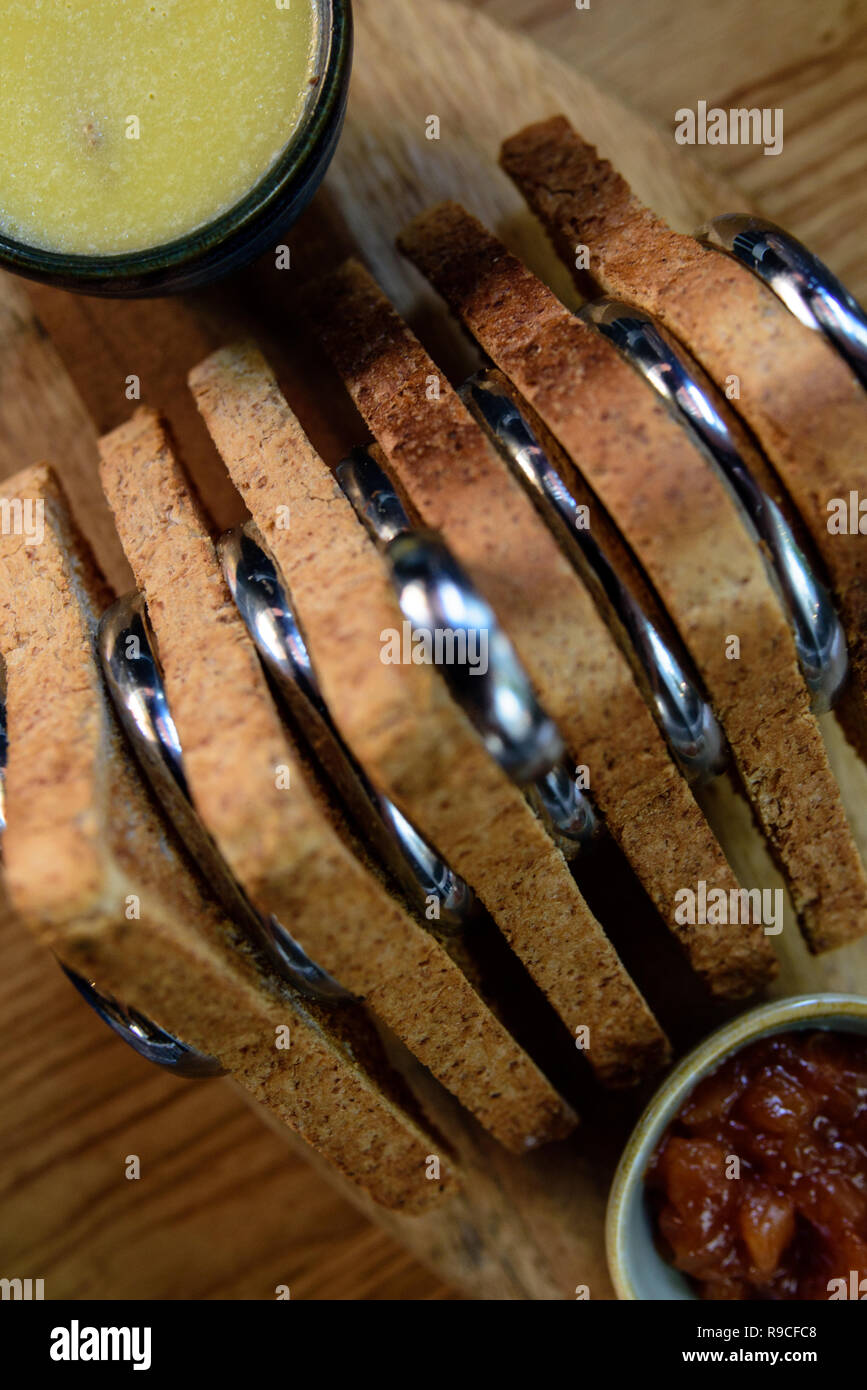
(236, 236)
(637, 1269)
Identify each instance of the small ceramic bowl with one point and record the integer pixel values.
(236, 236)
(637, 1269)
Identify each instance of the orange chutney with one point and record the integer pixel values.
(759, 1186)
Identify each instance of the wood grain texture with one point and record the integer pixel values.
(806, 58)
(225, 1209)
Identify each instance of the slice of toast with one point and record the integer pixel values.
(687, 533)
(271, 821)
(402, 724)
(798, 396)
(93, 870)
(461, 487)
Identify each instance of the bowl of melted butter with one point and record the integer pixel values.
(148, 147)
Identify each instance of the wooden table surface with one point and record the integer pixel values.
(808, 59)
(223, 1195)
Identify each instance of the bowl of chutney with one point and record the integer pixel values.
(746, 1176)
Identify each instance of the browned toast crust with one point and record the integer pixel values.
(278, 840)
(686, 532)
(401, 722)
(84, 842)
(802, 402)
(461, 487)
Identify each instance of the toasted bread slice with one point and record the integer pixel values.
(404, 727)
(91, 867)
(280, 841)
(462, 488)
(687, 533)
(804, 405)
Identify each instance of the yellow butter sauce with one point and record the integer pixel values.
(125, 124)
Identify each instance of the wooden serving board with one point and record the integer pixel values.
(220, 1200)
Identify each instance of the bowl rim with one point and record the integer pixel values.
(293, 166)
(765, 1020)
